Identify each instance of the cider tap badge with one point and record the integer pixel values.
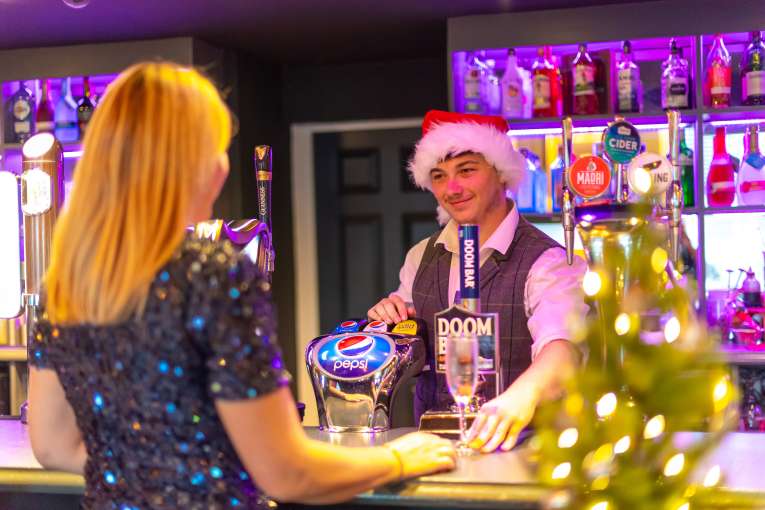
(621, 141)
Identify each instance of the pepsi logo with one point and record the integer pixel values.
(355, 346)
(351, 356)
(376, 324)
(348, 324)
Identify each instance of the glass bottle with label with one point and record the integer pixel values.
(472, 84)
(753, 71)
(629, 86)
(491, 89)
(556, 176)
(546, 85)
(532, 191)
(513, 99)
(585, 99)
(675, 80)
(718, 75)
(66, 114)
(44, 121)
(721, 187)
(84, 107)
(685, 159)
(20, 115)
(751, 173)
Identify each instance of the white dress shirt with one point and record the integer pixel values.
(553, 288)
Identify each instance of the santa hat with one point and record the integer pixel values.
(448, 134)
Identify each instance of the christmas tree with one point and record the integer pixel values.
(652, 371)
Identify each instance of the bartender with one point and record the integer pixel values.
(470, 165)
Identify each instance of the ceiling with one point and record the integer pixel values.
(298, 31)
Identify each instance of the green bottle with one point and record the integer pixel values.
(685, 159)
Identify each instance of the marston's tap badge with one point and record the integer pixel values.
(353, 356)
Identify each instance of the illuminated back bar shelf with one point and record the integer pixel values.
(101, 63)
(723, 237)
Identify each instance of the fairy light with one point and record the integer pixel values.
(672, 330)
(721, 394)
(622, 324)
(591, 283)
(606, 405)
(561, 471)
(601, 505)
(674, 465)
(712, 477)
(568, 438)
(655, 427)
(642, 180)
(684, 506)
(622, 445)
(659, 259)
(600, 483)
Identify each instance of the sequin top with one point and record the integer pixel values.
(143, 391)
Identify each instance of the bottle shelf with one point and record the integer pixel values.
(734, 209)
(552, 125)
(738, 356)
(17, 146)
(733, 115)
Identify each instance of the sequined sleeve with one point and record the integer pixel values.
(37, 350)
(234, 320)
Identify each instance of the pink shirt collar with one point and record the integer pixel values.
(499, 240)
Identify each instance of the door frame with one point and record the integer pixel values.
(304, 236)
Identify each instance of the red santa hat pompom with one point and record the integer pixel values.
(448, 134)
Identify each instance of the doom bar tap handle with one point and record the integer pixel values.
(469, 264)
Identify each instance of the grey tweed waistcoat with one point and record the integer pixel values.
(502, 287)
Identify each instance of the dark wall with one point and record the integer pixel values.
(364, 90)
(271, 97)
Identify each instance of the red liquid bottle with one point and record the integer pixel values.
(547, 99)
(718, 77)
(721, 185)
(583, 82)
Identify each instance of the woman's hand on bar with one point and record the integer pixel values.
(421, 454)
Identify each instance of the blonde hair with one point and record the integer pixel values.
(151, 145)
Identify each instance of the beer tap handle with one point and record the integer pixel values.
(675, 191)
(263, 172)
(568, 197)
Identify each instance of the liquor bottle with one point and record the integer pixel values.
(472, 84)
(556, 176)
(44, 120)
(718, 76)
(721, 188)
(491, 89)
(585, 99)
(753, 71)
(532, 191)
(629, 86)
(20, 115)
(546, 84)
(674, 80)
(513, 100)
(685, 160)
(84, 107)
(751, 176)
(66, 114)
(528, 92)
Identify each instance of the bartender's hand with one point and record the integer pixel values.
(422, 454)
(501, 419)
(391, 310)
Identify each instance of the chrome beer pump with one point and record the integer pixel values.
(356, 376)
(252, 236)
(615, 227)
(42, 197)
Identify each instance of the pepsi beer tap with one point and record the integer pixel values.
(356, 374)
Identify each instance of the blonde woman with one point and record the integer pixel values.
(155, 370)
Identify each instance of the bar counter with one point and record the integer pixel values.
(499, 480)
